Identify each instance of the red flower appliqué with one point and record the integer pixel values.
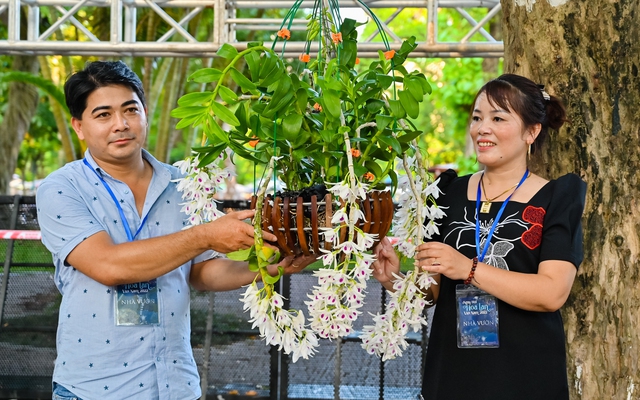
(533, 236)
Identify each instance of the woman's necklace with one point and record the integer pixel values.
(486, 205)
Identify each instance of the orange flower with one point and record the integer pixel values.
(388, 55)
(369, 176)
(305, 58)
(336, 37)
(284, 33)
(355, 152)
(254, 143)
(357, 60)
(317, 107)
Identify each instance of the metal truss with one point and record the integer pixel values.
(222, 27)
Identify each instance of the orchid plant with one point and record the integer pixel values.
(317, 120)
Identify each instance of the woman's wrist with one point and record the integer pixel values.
(472, 272)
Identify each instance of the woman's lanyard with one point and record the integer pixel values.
(482, 253)
(125, 223)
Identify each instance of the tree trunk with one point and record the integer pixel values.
(588, 53)
(22, 102)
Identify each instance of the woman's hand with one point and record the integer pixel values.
(443, 259)
(387, 262)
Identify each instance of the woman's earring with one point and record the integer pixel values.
(529, 153)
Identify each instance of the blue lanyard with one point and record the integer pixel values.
(495, 222)
(125, 223)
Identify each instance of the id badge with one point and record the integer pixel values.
(477, 318)
(137, 304)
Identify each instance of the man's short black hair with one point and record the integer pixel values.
(95, 75)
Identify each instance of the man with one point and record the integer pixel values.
(123, 262)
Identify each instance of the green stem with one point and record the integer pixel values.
(373, 141)
(257, 226)
(233, 62)
(384, 173)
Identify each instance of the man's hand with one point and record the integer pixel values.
(230, 233)
(293, 264)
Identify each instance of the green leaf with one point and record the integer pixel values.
(374, 168)
(272, 280)
(228, 95)
(396, 109)
(374, 105)
(328, 136)
(253, 62)
(394, 180)
(241, 80)
(214, 132)
(182, 112)
(206, 75)
(273, 258)
(331, 100)
(282, 97)
(409, 136)
(365, 96)
(391, 141)
(383, 155)
(301, 98)
(195, 99)
(382, 121)
(202, 149)
(426, 87)
(409, 103)
(301, 139)
(291, 126)
(349, 51)
(384, 80)
(348, 26)
(414, 88)
(224, 114)
(274, 76)
(334, 169)
(359, 170)
(208, 159)
(241, 114)
(186, 121)
(227, 51)
(408, 46)
(269, 62)
(253, 264)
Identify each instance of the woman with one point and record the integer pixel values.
(505, 259)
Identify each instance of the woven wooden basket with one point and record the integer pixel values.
(296, 222)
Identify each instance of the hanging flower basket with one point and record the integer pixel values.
(298, 220)
(320, 120)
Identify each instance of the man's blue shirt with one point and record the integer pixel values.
(96, 358)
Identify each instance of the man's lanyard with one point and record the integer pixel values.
(495, 222)
(125, 223)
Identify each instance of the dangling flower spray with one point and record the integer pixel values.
(278, 326)
(335, 302)
(386, 338)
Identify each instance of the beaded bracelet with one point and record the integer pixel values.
(472, 272)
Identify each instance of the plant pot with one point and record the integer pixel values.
(302, 235)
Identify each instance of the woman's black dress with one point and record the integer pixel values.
(530, 362)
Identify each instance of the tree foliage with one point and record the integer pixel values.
(444, 117)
